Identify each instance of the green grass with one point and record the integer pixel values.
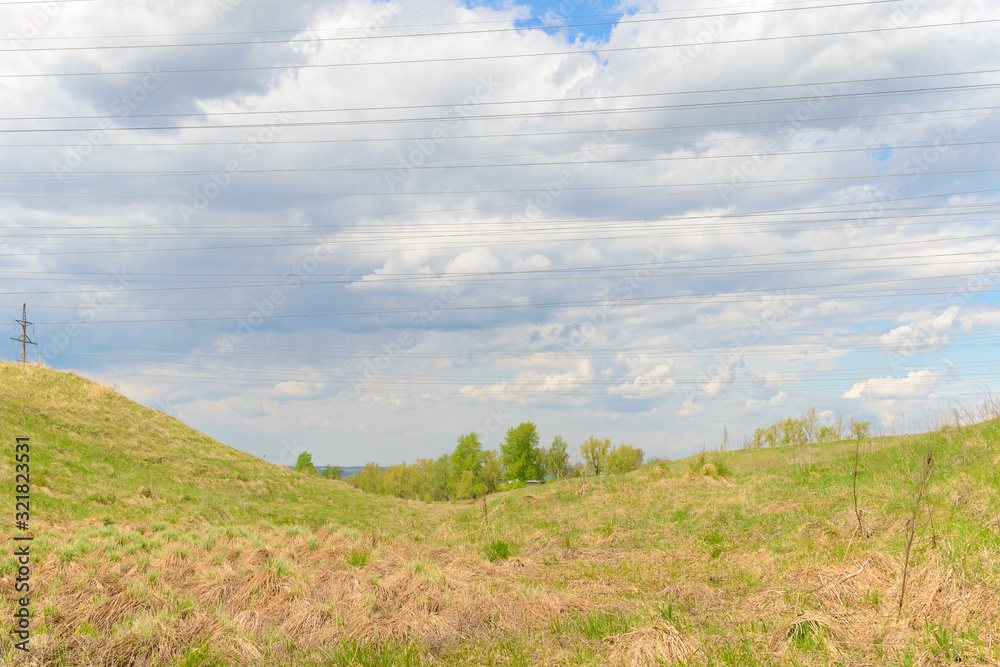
(604, 624)
(146, 468)
(359, 558)
(153, 535)
(497, 550)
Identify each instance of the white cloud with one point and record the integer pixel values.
(925, 333)
(655, 382)
(465, 219)
(533, 263)
(406, 262)
(296, 388)
(477, 260)
(308, 382)
(528, 383)
(917, 384)
(689, 409)
(757, 404)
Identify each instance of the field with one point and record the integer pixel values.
(156, 545)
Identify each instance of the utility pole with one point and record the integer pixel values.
(24, 340)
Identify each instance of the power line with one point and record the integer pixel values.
(983, 141)
(298, 40)
(579, 303)
(746, 185)
(412, 25)
(530, 101)
(425, 61)
(721, 124)
(522, 115)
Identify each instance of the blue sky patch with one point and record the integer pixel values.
(883, 153)
(557, 13)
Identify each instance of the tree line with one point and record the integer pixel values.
(470, 471)
(807, 429)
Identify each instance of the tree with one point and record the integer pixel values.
(810, 424)
(467, 458)
(519, 452)
(557, 458)
(624, 458)
(859, 429)
(369, 478)
(402, 480)
(305, 464)
(466, 485)
(595, 453)
(792, 432)
(332, 472)
(827, 434)
(491, 472)
(435, 485)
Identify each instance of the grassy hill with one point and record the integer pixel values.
(157, 545)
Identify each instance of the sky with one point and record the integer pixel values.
(362, 229)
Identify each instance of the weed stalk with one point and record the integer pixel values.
(857, 512)
(911, 527)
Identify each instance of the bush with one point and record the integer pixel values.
(625, 458)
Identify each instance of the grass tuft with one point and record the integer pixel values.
(358, 558)
(497, 550)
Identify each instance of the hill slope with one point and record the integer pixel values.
(96, 454)
(743, 558)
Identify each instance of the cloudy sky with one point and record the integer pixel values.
(363, 228)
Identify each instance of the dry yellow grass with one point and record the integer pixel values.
(673, 564)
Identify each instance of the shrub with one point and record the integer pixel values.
(625, 458)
